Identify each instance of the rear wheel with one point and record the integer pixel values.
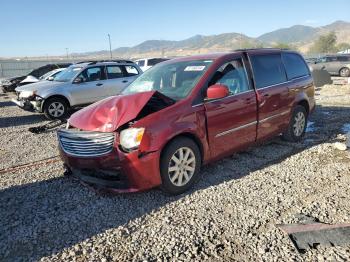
(344, 72)
(55, 108)
(180, 165)
(297, 125)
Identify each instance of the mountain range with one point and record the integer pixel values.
(300, 36)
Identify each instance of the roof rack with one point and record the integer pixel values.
(113, 61)
(260, 48)
(83, 62)
(92, 62)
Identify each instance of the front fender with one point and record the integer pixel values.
(193, 125)
(51, 93)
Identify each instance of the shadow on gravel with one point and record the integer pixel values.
(43, 218)
(6, 103)
(21, 120)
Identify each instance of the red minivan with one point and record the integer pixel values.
(184, 113)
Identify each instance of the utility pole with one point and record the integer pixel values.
(240, 41)
(67, 53)
(110, 45)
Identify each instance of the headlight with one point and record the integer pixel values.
(131, 138)
(26, 94)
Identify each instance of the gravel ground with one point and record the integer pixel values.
(231, 214)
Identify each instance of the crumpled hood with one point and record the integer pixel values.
(16, 78)
(109, 114)
(30, 79)
(41, 85)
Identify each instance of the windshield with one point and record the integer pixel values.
(174, 80)
(47, 74)
(67, 74)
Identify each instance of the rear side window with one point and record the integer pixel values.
(343, 58)
(114, 72)
(268, 70)
(131, 71)
(295, 65)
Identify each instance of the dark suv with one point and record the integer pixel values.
(184, 113)
(338, 65)
(10, 84)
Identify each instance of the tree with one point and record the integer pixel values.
(343, 46)
(283, 46)
(325, 44)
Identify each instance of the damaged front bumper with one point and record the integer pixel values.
(115, 171)
(29, 104)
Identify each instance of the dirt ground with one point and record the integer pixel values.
(230, 215)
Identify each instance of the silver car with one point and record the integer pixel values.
(80, 84)
(335, 64)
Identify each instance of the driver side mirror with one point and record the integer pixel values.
(217, 91)
(78, 80)
(50, 78)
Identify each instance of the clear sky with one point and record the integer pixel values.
(44, 27)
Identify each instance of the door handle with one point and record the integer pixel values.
(266, 95)
(125, 81)
(99, 84)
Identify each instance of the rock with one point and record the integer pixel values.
(340, 146)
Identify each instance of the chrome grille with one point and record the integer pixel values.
(85, 143)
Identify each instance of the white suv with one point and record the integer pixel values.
(78, 85)
(147, 63)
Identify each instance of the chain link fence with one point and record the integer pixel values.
(10, 68)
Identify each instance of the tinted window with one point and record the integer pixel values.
(268, 70)
(343, 58)
(154, 61)
(114, 72)
(92, 74)
(131, 70)
(295, 66)
(232, 75)
(331, 59)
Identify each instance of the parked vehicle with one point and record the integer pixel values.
(184, 113)
(48, 76)
(335, 64)
(147, 63)
(10, 84)
(80, 84)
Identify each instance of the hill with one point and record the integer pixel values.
(300, 36)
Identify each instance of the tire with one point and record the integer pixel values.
(344, 72)
(297, 125)
(55, 108)
(179, 177)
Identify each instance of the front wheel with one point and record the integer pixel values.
(297, 125)
(344, 72)
(55, 108)
(180, 165)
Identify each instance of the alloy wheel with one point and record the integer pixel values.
(345, 72)
(299, 124)
(182, 166)
(56, 109)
